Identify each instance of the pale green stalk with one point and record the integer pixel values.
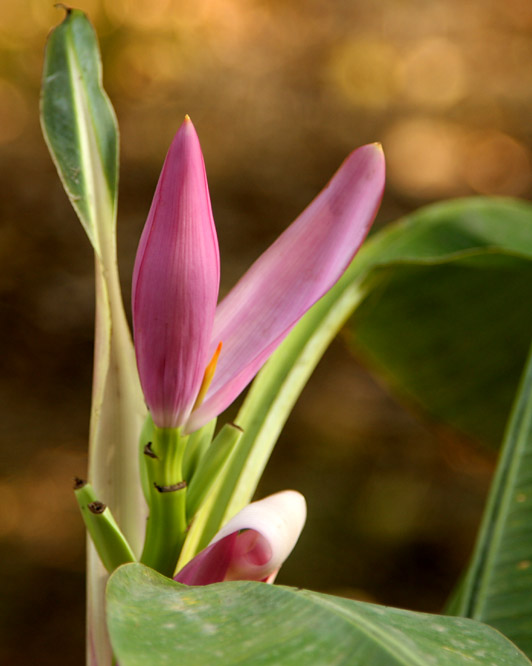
(107, 537)
(80, 130)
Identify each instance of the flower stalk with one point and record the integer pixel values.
(167, 523)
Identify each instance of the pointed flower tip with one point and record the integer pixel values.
(187, 126)
(172, 323)
(372, 159)
(185, 138)
(186, 130)
(186, 142)
(374, 149)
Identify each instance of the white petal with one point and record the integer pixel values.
(279, 520)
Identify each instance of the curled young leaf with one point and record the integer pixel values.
(253, 545)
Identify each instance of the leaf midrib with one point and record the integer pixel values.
(408, 658)
(99, 202)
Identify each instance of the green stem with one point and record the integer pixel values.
(167, 524)
(210, 466)
(111, 544)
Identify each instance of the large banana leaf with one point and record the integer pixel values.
(80, 129)
(153, 620)
(497, 588)
(446, 320)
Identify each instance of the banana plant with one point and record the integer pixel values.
(167, 498)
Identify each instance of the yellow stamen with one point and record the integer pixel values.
(207, 377)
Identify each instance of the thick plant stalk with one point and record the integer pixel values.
(117, 416)
(81, 133)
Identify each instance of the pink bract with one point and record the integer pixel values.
(176, 279)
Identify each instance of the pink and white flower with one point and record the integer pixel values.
(251, 546)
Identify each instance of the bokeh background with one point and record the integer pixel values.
(280, 91)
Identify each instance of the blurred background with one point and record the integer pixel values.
(280, 91)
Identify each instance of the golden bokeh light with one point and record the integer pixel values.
(165, 15)
(424, 157)
(16, 27)
(362, 71)
(519, 12)
(433, 74)
(13, 112)
(498, 164)
(503, 70)
(149, 64)
(37, 509)
(144, 14)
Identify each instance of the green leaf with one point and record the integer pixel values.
(153, 620)
(446, 321)
(497, 588)
(80, 130)
(80, 127)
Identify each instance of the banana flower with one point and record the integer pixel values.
(194, 356)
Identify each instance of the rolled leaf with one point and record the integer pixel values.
(253, 545)
(497, 588)
(79, 126)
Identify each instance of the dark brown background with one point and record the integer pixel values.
(280, 92)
